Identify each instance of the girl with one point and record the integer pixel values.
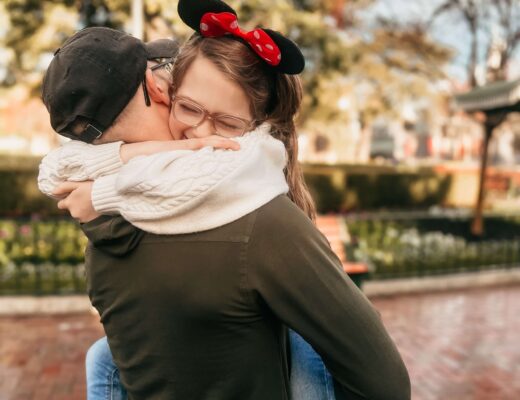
(331, 314)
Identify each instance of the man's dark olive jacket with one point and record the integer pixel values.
(203, 316)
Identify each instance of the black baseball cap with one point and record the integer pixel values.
(94, 75)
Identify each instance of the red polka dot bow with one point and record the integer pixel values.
(214, 18)
(226, 23)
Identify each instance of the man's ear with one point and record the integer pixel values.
(157, 88)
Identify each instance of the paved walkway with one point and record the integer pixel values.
(457, 346)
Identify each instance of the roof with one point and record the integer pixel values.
(494, 96)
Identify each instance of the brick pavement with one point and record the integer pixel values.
(42, 358)
(457, 346)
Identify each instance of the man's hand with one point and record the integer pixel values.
(77, 198)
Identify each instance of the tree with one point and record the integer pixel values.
(391, 62)
(30, 34)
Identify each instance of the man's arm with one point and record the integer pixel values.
(291, 268)
(112, 235)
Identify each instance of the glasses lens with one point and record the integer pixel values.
(229, 126)
(187, 112)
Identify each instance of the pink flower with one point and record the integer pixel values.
(25, 230)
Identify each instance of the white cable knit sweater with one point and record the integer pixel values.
(176, 191)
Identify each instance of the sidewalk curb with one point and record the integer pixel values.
(468, 280)
(77, 304)
(51, 305)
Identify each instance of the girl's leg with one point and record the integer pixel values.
(102, 374)
(310, 379)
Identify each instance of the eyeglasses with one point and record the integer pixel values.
(193, 114)
(167, 64)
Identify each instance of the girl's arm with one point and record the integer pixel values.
(181, 192)
(77, 161)
(132, 150)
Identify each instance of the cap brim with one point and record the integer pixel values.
(162, 48)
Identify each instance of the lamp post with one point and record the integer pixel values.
(490, 104)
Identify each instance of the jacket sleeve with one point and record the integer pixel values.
(297, 275)
(78, 161)
(112, 235)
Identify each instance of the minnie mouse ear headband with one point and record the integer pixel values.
(214, 18)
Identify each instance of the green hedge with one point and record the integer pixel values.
(335, 189)
(347, 188)
(19, 194)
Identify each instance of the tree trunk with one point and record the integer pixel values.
(477, 226)
(337, 12)
(472, 66)
(492, 121)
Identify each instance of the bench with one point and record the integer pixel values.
(334, 229)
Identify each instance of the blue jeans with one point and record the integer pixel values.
(102, 374)
(310, 380)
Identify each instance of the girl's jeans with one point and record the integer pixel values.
(310, 380)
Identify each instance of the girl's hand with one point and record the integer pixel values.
(131, 150)
(217, 142)
(77, 198)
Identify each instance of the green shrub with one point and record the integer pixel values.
(346, 188)
(397, 190)
(335, 189)
(19, 194)
(41, 257)
(327, 197)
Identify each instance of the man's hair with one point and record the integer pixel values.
(93, 77)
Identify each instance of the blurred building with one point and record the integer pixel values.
(24, 124)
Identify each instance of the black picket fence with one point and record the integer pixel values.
(46, 257)
(42, 279)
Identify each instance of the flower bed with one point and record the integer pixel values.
(429, 246)
(41, 257)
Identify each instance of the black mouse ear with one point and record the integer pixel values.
(191, 11)
(292, 61)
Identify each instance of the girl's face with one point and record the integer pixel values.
(205, 85)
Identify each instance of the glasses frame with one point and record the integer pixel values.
(162, 63)
(209, 116)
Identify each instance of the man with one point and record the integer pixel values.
(107, 88)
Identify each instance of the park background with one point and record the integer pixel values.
(410, 144)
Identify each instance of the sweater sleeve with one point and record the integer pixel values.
(298, 276)
(167, 184)
(78, 161)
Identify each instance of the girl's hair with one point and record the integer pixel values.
(274, 98)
